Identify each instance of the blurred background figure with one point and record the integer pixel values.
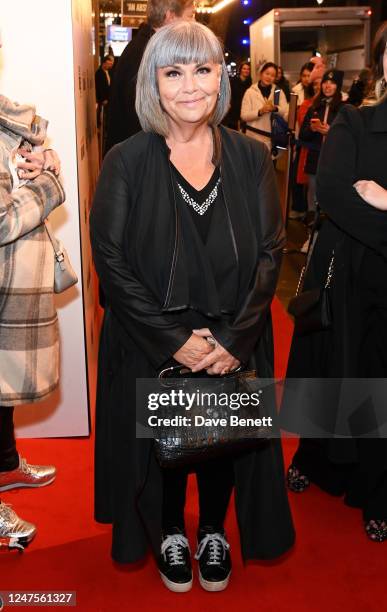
(301, 88)
(259, 103)
(283, 83)
(102, 85)
(239, 85)
(360, 87)
(122, 117)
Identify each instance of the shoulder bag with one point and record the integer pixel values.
(64, 275)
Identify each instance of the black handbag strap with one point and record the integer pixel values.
(257, 131)
(309, 253)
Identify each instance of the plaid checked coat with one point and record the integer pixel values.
(29, 339)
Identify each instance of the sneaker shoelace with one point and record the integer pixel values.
(172, 547)
(24, 466)
(217, 545)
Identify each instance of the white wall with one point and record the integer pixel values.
(37, 66)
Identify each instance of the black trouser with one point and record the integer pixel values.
(215, 482)
(9, 458)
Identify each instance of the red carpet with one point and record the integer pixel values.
(332, 566)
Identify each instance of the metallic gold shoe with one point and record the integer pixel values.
(376, 530)
(296, 481)
(26, 475)
(14, 532)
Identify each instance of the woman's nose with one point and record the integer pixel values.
(189, 82)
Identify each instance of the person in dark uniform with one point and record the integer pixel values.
(352, 192)
(187, 236)
(122, 117)
(102, 85)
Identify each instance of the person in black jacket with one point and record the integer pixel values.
(316, 125)
(102, 85)
(239, 85)
(283, 83)
(122, 118)
(339, 373)
(187, 236)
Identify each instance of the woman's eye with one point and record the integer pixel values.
(204, 70)
(172, 74)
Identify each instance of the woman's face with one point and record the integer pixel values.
(305, 78)
(268, 76)
(245, 71)
(316, 86)
(188, 92)
(329, 88)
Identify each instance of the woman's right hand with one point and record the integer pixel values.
(193, 351)
(372, 193)
(268, 107)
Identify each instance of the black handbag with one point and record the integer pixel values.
(312, 309)
(186, 445)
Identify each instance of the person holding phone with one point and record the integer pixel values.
(316, 124)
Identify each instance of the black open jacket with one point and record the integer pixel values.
(139, 256)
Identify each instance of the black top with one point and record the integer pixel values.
(202, 222)
(264, 89)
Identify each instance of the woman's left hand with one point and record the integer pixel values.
(372, 193)
(32, 166)
(219, 361)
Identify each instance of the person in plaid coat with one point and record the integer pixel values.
(29, 340)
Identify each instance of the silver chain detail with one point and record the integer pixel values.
(200, 208)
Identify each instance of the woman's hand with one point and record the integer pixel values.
(372, 193)
(35, 162)
(51, 161)
(268, 107)
(193, 351)
(219, 360)
(32, 166)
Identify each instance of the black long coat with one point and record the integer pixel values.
(122, 117)
(355, 149)
(134, 206)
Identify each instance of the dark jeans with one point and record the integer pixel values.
(9, 458)
(215, 483)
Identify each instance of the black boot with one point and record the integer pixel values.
(214, 559)
(175, 561)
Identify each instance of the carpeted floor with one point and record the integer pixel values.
(332, 566)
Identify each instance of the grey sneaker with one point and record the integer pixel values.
(14, 532)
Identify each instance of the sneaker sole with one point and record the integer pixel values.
(23, 485)
(208, 585)
(177, 587)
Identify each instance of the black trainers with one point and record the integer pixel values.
(214, 559)
(175, 562)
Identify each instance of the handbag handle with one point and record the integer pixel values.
(181, 370)
(59, 255)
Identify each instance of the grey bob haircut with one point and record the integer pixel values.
(181, 42)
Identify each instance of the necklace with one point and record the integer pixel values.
(200, 208)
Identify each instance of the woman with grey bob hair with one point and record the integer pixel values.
(197, 45)
(187, 237)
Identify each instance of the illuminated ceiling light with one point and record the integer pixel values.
(245, 41)
(247, 21)
(276, 13)
(369, 12)
(226, 54)
(220, 5)
(246, 2)
(320, 1)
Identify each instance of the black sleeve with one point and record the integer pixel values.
(240, 337)
(305, 131)
(133, 304)
(336, 174)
